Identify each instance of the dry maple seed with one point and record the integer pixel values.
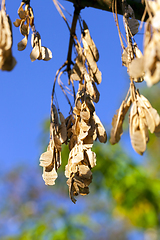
(7, 61)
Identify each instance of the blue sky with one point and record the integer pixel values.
(26, 91)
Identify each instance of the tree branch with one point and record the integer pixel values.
(72, 33)
(106, 5)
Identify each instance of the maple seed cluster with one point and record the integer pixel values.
(143, 116)
(26, 22)
(81, 128)
(7, 61)
(51, 159)
(148, 64)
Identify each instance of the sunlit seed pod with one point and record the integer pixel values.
(85, 115)
(22, 44)
(49, 177)
(82, 135)
(91, 158)
(84, 126)
(76, 126)
(45, 54)
(35, 53)
(97, 76)
(84, 171)
(78, 104)
(101, 133)
(90, 42)
(76, 111)
(46, 158)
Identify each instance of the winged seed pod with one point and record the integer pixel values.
(89, 56)
(26, 20)
(78, 70)
(91, 88)
(151, 114)
(117, 122)
(138, 128)
(101, 133)
(136, 67)
(24, 23)
(93, 68)
(51, 159)
(154, 7)
(143, 117)
(152, 59)
(78, 170)
(48, 160)
(152, 44)
(39, 52)
(90, 42)
(7, 61)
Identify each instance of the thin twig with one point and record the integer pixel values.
(74, 93)
(72, 35)
(55, 79)
(115, 15)
(56, 3)
(148, 9)
(59, 82)
(142, 19)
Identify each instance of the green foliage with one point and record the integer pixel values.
(134, 190)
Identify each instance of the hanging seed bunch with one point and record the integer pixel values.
(149, 64)
(51, 159)
(25, 22)
(81, 128)
(143, 116)
(131, 55)
(87, 127)
(151, 60)
(7, 61)
(87, 56)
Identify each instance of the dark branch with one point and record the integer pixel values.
(106, 5)
(72, 33)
